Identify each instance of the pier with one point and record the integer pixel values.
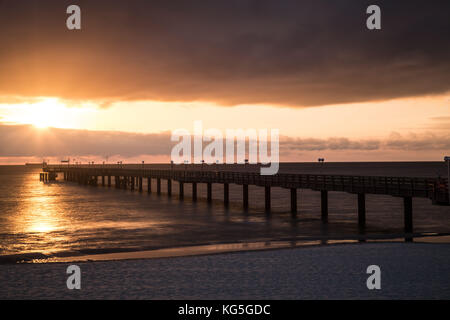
(132, 177)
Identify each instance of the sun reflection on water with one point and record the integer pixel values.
(39, 215)
(41, 227)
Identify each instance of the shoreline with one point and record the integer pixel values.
(219, 248)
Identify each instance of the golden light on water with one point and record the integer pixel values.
(40, 214)
(46, 219)
(41, 226)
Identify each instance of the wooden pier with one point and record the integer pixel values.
(435, 189)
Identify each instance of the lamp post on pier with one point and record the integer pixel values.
(321, 161)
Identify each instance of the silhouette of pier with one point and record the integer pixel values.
(133, 178)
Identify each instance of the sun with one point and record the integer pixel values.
(47, 113)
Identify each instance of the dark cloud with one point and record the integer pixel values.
(300, 53)
(328, 144)
(416, 142)
(410, 142)
(27, 141)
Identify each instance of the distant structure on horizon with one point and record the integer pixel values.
(35, 164)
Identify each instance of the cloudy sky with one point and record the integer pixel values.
(139, 69)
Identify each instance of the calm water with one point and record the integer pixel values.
(64, 218)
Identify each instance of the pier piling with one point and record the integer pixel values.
(209, 192)
(245, 196)
(408, 218)
(194, 191)
(169, 187)
(226, 194)
(324, 205)
(158, 186)
(267, 199)
(181, 192)
(361, 210)
(293, 202)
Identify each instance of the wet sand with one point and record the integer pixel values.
(218, 248)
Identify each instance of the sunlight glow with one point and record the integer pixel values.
(49, 112)
(41, 227)
(356, 120)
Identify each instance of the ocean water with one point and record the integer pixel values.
(65, 219)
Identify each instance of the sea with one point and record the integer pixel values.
(63, 219)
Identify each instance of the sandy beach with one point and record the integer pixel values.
(408, 271)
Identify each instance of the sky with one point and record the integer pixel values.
(137, 70)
